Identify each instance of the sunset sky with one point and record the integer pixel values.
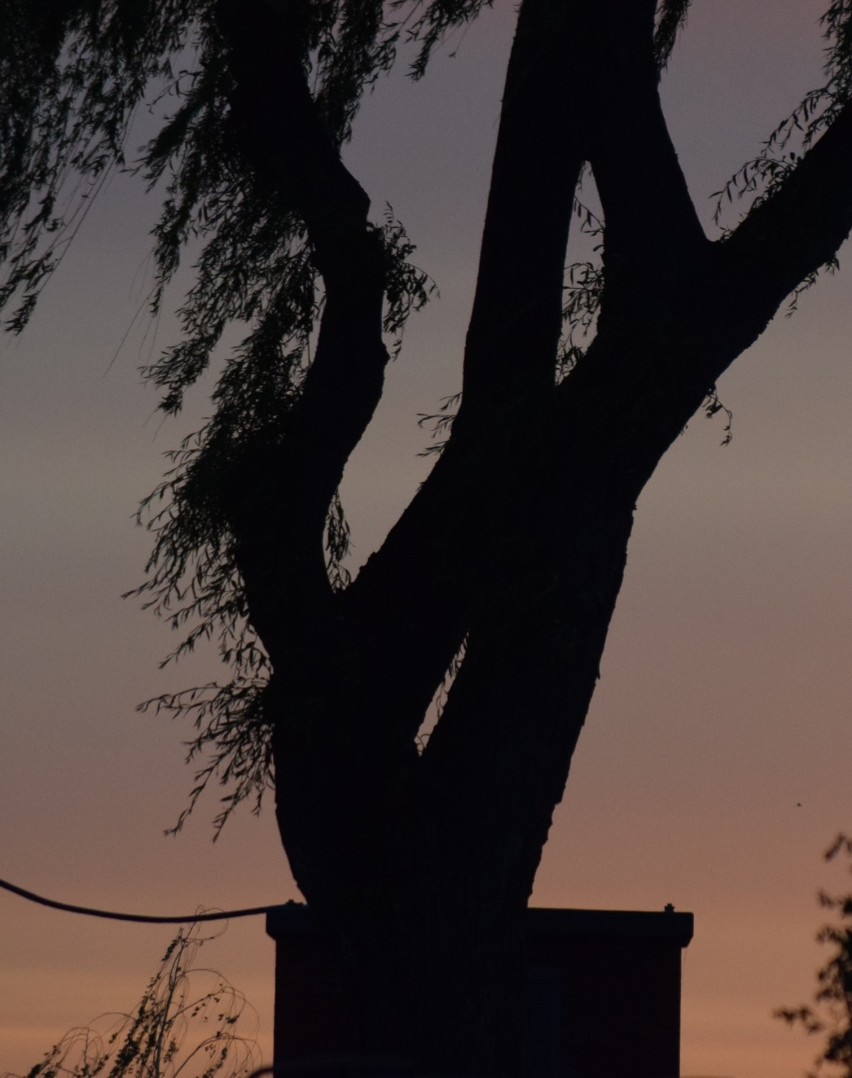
(714, 768)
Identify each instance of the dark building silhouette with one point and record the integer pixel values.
(603, 995)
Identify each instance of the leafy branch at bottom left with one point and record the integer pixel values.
(184, 1025)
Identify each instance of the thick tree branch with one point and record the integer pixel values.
(650, 219)
(517, 311)
(795, 231)
(414, 597)
(280, 510)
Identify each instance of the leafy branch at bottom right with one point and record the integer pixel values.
(831, 1015)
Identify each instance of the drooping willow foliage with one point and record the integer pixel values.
(763, 174)
(73, 75)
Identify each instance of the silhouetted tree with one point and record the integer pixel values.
(504, 569)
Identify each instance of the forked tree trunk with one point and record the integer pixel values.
(419, 865)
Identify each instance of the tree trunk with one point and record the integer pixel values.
(420, 866)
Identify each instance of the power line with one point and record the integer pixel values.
(139, 918)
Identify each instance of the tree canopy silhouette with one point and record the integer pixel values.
(499, 579)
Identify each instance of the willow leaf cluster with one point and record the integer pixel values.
(671, 16)
(72, 75)
(760, 177)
